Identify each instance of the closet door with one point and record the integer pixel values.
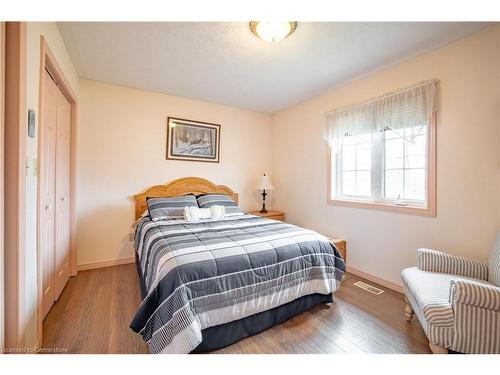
(47, 189)
(62, 181)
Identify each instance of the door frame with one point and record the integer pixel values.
(15, 134)
(49, 62)
(2, 96)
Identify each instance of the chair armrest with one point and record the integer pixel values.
(437, 261)
(474, 293)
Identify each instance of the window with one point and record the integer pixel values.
(383, 152)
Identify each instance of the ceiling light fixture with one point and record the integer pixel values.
(273, 31)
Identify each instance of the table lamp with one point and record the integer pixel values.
(265, 184)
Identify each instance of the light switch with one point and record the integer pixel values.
(35, 167)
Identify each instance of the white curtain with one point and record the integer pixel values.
(411, 107)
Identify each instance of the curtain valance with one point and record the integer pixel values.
(410, 107)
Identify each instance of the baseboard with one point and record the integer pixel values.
(375, 279)
(106, 263)
(354, 271)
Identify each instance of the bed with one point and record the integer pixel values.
(208, 284)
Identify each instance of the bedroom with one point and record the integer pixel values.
(139, 160)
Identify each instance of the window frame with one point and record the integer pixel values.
(429, 209)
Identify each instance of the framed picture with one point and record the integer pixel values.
(192, 140)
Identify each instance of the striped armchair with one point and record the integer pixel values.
(456, 300)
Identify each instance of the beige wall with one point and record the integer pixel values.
(51, 33)
(121, 151)
(382, 243)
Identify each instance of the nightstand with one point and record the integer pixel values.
(270, 214)
(341, 246)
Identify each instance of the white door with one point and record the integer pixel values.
(48, 134)
(62, 217)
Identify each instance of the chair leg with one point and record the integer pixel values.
(408, 311)
(438, 349)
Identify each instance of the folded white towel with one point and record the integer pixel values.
(217, 212)
(196, 213)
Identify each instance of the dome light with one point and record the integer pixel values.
(273, 31)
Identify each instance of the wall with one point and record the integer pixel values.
(51, 33)
(121, 151)
(382, 243)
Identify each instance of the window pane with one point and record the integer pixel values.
(415, 152)
(364, 156)
(390, 134)
(363, 183)
(415, 184)
(415, 161)
(394, 153)
(364, 138)
(393, 184)
(349, 157)
(349, 183)
(348, 140)
(415, 131)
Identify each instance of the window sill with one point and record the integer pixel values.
(407, 210)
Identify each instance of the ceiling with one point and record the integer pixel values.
(225, 63)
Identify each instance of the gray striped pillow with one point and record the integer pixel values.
(208, 200)
(170, 208)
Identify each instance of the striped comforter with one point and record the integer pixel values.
(199, 275)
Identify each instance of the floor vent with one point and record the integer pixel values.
(369, 288)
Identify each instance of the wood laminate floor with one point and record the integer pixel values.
(96, 307)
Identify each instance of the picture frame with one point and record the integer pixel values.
(191, 140)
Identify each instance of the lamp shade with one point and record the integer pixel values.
(265, 183)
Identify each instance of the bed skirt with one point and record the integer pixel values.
(223, 335)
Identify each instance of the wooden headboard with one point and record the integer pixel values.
(182, 186)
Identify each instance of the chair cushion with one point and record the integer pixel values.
(431, 292)
(494, 263)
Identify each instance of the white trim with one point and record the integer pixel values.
(106, 263)
(375, 279)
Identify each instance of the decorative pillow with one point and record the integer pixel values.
(208, 200)
(170, 208)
